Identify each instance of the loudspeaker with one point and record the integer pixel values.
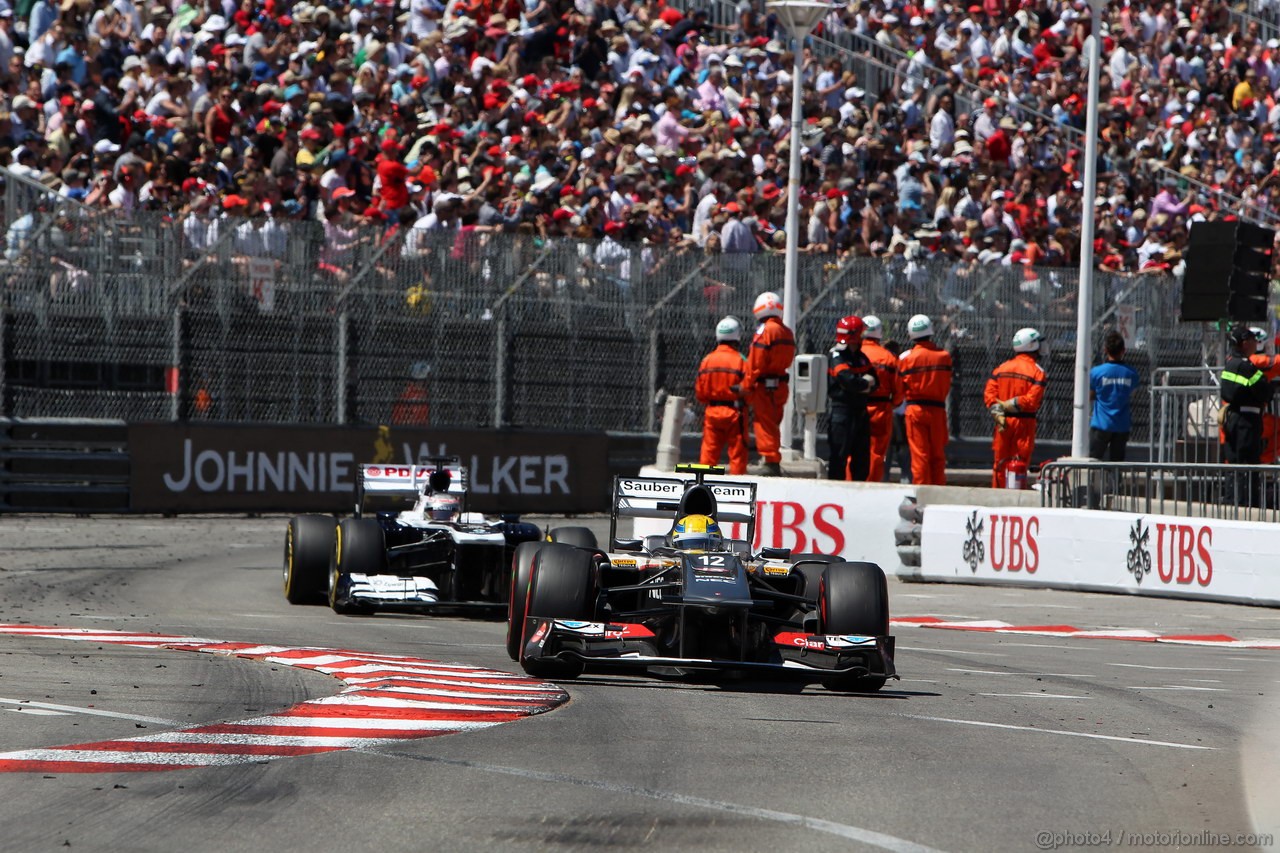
(1228, 272)
(1250, 281)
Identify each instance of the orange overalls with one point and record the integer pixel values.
(925, 375)
(412, 408)
(1021, 379)
(773, 348)
(1270, 367)
(722, 423)
(881, 403)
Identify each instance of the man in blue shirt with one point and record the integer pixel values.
(1110, 386)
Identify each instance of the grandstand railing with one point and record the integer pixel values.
(155, 317)
(1230, 492)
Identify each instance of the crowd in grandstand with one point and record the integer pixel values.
(629, 121)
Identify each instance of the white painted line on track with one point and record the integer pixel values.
(96, 712)
(1090, 735)
(1024, 674)
(1044, 646)
(1176, 668)
(1037, 696)
(1180, 687)
(37, 712)
(841, 830)
(953, 651)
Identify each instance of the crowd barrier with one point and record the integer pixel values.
(1183, 489)
(1081, 549)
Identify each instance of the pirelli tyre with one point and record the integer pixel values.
(854, 599)
(308, 546)
(358, 547)
(521, 571)
(810, 567)
(561, 586)
(581, 537)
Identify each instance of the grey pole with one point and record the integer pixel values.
(1084, 306)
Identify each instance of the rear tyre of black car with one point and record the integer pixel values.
(521, 572)
(308, 546)
(854, 599)
(582, 537)
(358, 547)
(560, 587)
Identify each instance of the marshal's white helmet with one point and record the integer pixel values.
(768, 304)
(919, 326)
(1027, 340)
(874, 328)
(729, 329)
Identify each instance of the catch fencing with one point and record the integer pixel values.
(163, 318)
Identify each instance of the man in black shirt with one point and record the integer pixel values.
(850, 380)
(1245, 393)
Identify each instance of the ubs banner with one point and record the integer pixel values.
(1106, 551)
(183, 468)
(853, 520)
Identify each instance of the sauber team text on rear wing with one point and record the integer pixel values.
(391, 481)
(660, 497)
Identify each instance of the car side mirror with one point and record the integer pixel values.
(628, 544)
(776, 553)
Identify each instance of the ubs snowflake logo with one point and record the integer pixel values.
(1139, 558)
(975, 551)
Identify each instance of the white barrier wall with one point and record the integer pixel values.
(1103, 551)
(854, 520)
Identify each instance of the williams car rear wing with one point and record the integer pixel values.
(661, 497)
(409, 481)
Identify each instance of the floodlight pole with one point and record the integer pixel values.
(799, 17)
(1088, 215)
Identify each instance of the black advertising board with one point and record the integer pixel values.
(289, 469)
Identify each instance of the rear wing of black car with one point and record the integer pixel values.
(385, 483)
(661, 497)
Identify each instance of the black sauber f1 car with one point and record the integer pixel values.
(682, 603)
(431, 554)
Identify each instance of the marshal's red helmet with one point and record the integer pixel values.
(849, 329)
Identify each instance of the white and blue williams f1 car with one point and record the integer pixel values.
(695, 600)
(431, 553)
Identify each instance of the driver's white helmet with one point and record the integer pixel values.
(442, 507)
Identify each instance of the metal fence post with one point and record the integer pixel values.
(340, 377)
(175, 363)
(4, 322)
(500, 366)
(651, 377)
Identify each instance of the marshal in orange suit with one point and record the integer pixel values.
(1013, 395)
(719, 389)
(925, 373)
(886, 397)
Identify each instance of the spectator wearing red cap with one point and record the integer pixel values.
(393, 177)
(312, 141)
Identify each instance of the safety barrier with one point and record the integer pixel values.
(1194, 490)
(1136, 553)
